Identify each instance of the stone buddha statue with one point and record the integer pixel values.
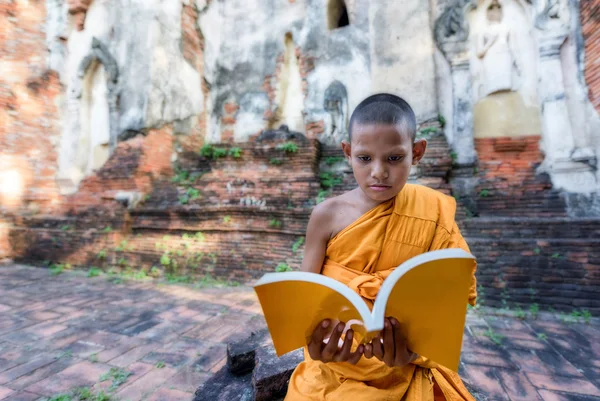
(493, 48)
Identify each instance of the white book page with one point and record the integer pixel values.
(335, 285)
(388, 285)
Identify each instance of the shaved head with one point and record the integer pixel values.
(385, 109)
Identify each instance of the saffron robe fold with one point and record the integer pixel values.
(361, 256)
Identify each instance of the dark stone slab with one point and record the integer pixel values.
(225, 386)
(272, 374)
(475, 392)
(240, 354)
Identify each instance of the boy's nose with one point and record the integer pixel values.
(379, 172)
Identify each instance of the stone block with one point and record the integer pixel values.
(272, 374)
(225, 386)
(241, 354)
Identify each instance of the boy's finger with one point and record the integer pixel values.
(401, 356)
(316, 340)
(344, 353)
(332, 345)
(355, 357)
(377, 347)
(368, 352)
(388, 344)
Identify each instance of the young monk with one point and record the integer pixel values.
(358, 238)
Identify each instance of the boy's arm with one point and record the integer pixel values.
(318, 233)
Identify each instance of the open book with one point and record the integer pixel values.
(427, 294)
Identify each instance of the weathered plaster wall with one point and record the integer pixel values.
(151, 82)
(402, 53)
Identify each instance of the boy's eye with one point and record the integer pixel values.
(364, 158)
(395, 158)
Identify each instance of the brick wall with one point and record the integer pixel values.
(241, 237)
(192, 47)
(134, 166)
(590, 21)
(29, 118)
(508, 182)
(554, 262)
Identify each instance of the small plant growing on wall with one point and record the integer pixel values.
(288, 147)
(274, 223)
(275, 161)
(329, 180)
(283, 267)
(332, 160)
(207, 151)
(236, 153)
(219, 152)
(297, 244)
(442, 120)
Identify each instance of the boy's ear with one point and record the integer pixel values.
(419, 147)
(346, 149)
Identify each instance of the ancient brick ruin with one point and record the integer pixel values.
(156, 146)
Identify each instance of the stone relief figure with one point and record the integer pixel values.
(336, 104)
(493, 47)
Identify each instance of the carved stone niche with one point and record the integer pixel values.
(503, 69)
(507, 80)
(336, 106)
(90, 135)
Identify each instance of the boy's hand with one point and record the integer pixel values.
(392, 350)
(330, 352)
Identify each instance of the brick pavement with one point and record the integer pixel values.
(61, 332)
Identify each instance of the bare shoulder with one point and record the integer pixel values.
(333, 214)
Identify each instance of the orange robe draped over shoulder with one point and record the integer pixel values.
(361, 256)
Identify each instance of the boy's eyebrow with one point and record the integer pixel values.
(398, 149)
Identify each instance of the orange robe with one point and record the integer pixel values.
(361, 256)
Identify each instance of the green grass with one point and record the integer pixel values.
(520, 313)
(275, 161)
(159, 365)
(94, 272)
(226, 219)
(495, 337)
(65, 354)
(586, 314)
(57, 269)
(533, 310)
(118, 377)
(542, 336)
(484, 193)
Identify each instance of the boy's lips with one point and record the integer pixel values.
(379, 187)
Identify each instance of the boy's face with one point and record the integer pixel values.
(381, 157)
